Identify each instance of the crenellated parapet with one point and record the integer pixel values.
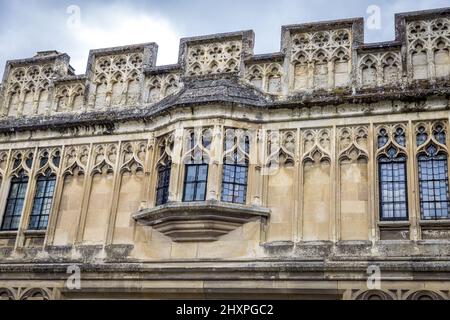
(316, 60)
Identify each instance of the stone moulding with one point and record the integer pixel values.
(199, 221)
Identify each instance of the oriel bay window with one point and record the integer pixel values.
(235, 167)
(392, 174)
(433, 173)
(196, 165)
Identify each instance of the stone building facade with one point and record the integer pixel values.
(295, 175)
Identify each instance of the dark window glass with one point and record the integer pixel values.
(235, 177)
(196, 172)
(382, 138)
(195, 182)
(433, 184)
(422, 136)
(15, 202)
(162, 191)
(400, 137)
(393, 187)
(440, 135)
(42, 204)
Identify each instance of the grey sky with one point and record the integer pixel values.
(28, 26)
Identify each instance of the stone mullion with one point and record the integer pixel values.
(215, 165)
(176, 179)
(297, 203)
(86, 195)
(56, 202)
(300, 184)
(334, 230)
(265, 171)
(431, 65)
(414, 214)
(372, 182)
(29, 197)
(151, 172)
(254, 177)
(331, 71)
(115, 197)
(338, 189)
(4, 188)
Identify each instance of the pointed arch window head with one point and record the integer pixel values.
(433, 184)
(393, 185)
(164, 169)
(15, 202)
(400, 136)
(235, 168)
(197, 165)
(383, 138)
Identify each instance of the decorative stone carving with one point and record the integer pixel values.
(379, 68)
(317, 145)
(214, 58)
(105, 156)
(117, 79)
(391, 140)
(159, 86)
(133, 156)
(27, 89)
(321, 59)
(22, 162)
(266, 76)
(76, 160)
(428, 44)
(69, 97)
(49, 161)
(375, 295)
(281, 148)
(353, 143)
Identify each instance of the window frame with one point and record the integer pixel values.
(21, 180)
(47, 179)
(433, 159)
(164, 172)
(380, 188)
(196, 181)
(235, 164)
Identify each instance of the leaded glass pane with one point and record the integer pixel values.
(433, 185)
(393, 190)
(42, 203)
(162, 191)
(15, 202)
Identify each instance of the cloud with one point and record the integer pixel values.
(117, 26)
(28, 26)
(100, 26)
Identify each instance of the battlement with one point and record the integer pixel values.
(314, 58)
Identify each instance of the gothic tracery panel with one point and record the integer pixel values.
(117, 79)
(321, 59)
(266, 76)
(162, 85)
(428, 43)
(214, 58)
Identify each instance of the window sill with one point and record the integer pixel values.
(199, 221)
(394, 224)
(7, 234)
(35, 233)
(435, 223)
